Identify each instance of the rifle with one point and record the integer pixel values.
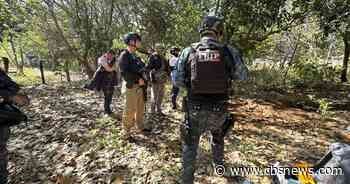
(144, 87)
(10, 114)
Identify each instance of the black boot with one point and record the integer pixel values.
(174, 105)
(174, 93)
(108, 96)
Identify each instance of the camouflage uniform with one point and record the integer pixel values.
(4, 136)
(205, 114)
(196, 123)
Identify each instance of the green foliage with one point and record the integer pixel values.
(80, 31)
(311, 71)
(266, 76)
(301, 74)
(324, 109)
(32, 77)
(111, 136)
(334, 17)
(250, 22)
(104, 121)
(184, 24)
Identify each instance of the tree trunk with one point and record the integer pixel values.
(42, 71)
(53, 59)
(21, 65)
(6, 64)
(331, 48)
(55, 62)
(217, 7)
(89, 71)
(7, 53)
(66, 70)
(344, 72)
(15, 54)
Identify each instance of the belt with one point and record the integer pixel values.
(217, 107)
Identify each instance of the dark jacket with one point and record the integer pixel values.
(131, 68)
(155, 63)
(9, 114)
(103, 79)
(7, 86)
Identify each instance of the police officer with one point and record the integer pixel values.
(205, 70)
(131, 68)
(8, 92)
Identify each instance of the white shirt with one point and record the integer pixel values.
(173, 61)
(103, 60)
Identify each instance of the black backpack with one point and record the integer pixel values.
(208, 70)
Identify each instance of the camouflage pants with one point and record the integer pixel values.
(4, 136)
(196, 123)
(157, 96)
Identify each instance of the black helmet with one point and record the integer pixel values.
(131, 36)
(211, 23)
(174, 50)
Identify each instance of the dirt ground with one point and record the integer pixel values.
(67, 139)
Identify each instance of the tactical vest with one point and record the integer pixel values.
(208, 70)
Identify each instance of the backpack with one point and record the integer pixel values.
(160, 75)
(208, 70)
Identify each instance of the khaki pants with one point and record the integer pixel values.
(134, 109)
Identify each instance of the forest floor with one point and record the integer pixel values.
(68, 140)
